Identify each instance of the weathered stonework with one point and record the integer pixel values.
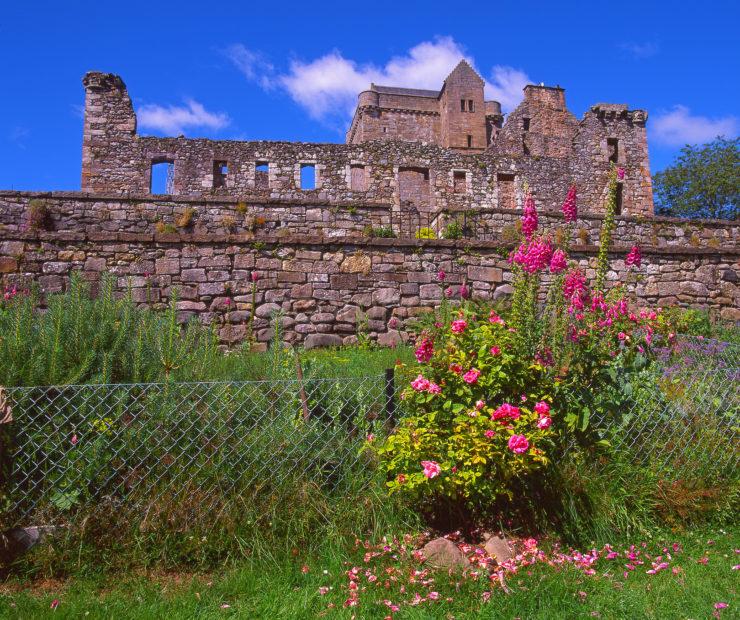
(321, 283)
(407, 165)
(409, 148)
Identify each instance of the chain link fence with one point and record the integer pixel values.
(161, 449)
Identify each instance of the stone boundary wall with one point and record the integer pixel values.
(260, 216)
(326, 286)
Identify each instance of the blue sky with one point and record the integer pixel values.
(290, 71)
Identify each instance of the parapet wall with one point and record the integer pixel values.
(259, 215)
(324, 285)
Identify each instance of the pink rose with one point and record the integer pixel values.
(255, 276)
(506, 410)
(542, 408)
(424, 351)
(544, 422)
(489, 433)
(431, 469)
(620, 173)
(480, 404)
(458, 327)
(518, 444)
(420, 384)
(74, 439)
(495, 350)
(441, 275)
(471, 376)
(456, 368)
(495, 318)
(434, 389)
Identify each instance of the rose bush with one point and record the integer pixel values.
(481, 413)
(495, 397)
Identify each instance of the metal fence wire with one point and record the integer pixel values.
(156, 446)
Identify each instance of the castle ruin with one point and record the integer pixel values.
(419, 149)
(332, 232)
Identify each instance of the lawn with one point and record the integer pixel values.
(698, 579)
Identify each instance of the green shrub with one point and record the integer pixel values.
(453, 230)
(426, 233)
(478, 417)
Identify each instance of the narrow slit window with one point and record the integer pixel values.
(618, 200)
(612, 145)
(162, 177)
(459, 182)
(526, 124)
(261, 175)
(470, 141)
(220, 172)
(471, 106)
(462, 105)
(308, 176)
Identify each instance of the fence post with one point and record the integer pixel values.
(7, 442)
(301, 389)
(390, 394)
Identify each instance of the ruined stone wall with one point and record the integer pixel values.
(76, 212)
(118, 161)
(322, 286)
(321, 282)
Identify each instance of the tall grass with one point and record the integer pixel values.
(77, 337)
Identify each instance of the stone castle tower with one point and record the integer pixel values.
(411, 148)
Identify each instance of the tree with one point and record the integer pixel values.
(703, 182)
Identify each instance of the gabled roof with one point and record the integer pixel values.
(397, 90)
(464, 67)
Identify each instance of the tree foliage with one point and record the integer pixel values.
(703, 182)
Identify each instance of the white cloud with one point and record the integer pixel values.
(640, 50)
(327, 87)
(506, 86)
(252, 64)
(678, 127)
(175, 120)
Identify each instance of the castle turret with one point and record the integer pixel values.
(109, 124)
(463, 110)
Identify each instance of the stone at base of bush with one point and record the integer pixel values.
(443, 553)
(498, 548)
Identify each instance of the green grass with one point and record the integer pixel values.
(282, 590)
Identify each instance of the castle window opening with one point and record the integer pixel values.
(459, 182)
(506, 191)
(618, 200)
(525, 122)
(261, 175)
(162, 177)
(220, 172)
(357, 178)
(470, 140)
(413, 186)
(308, 176)
(462, 105)
(471, 106)
(612, 145)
